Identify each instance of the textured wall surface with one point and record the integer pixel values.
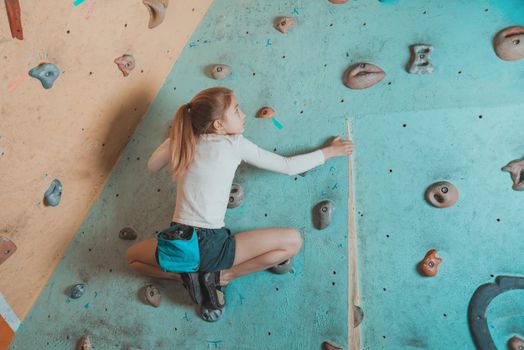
(459, 124)
(76, 130)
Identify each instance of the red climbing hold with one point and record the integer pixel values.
(429, 265)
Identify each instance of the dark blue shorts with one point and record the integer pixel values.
(217, 248)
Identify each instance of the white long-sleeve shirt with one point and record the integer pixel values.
(203, 191)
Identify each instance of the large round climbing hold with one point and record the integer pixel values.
(236, 196)
(442, 194)
(283, 24)
(220, 71)
(322, 214)
(152, 295)
(126, 63)
(429, 265)
(283, 267)
(265, 112)
(77, 290)
(53, 194)
(47, 73)
(157, 11)
(509, 43)
(516, 343)
(516, 169)
(363, 75)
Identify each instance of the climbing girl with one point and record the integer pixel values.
(204, 148)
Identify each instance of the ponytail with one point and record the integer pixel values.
(192, 120)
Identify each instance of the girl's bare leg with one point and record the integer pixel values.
(141, 258)
(260, 249)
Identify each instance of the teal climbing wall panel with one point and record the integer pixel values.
(460, 124)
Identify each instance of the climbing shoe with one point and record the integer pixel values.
(192, 284)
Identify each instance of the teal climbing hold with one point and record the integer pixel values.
(54, 193)
(46, 73)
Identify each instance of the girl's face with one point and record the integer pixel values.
(233, 120)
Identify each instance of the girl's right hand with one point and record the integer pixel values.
(338, 147)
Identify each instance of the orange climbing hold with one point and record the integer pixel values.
(429, 265)
(338, 1)
(265, 112)
(283, 24)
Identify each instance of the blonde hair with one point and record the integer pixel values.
(192, 120)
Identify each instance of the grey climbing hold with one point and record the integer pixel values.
(363, 75)
(220, 71)
(53, 194)
(419, 62)
(152, 295)
(128, 234)
(236, 196)
(46, 73)
(509, 43)
(328, 345)
(126, 63)
(283, 24)
(84, 343)
(322, 214)
(478, 305)
(157, 11)
(358, 316)
(516, 343)
(77, 290)
(516, 169)
(283, 267)
(442, 194)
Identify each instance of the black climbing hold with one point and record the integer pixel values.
(128, 234)
(77, 290)
(46, 73)
(53, 194)
(283, 267)
(358, 316)
(322, 214)
(236, 196)
(516, 343)
(480, 300)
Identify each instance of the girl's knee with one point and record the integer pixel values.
(295, 240)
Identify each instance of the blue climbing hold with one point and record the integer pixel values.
(77, 290)
(54, 193)
(46, 73)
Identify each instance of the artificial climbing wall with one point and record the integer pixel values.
(460, 124)
(76, 130)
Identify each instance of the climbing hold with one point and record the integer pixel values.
(363, 75)
(157, 11)
(283, 267)
(126, 63)
(388, 1)
(46, 73)
(419, 62)
(7, 248)
(13, 15)
(265, 112)
(322, 213)
(478, 305)
(84, 343)
(509, 43)
(220, 71)
(152, 295)
(429, 265)
(283, 24)
(358, 316)
(327, 345)
(442, 194)
(53, 194)
(128, 234)
(338, 1)
(516, 169)
(236, 196)
(77, 290)
(516, 343)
